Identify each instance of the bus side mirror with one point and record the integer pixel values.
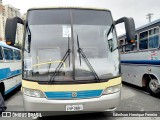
(10, 29)
(130, 28)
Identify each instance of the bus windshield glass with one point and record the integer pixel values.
(70, 45)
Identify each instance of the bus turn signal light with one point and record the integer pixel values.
(132, 41)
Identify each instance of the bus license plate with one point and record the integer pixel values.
(74, 107)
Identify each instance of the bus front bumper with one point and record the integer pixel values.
(103, 103)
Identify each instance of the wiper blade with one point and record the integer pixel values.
(85, 59)
(61, 63)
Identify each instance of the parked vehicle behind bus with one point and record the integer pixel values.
(10, 68)
(141, 60)
(70, 59)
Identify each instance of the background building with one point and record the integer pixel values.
(2, 21)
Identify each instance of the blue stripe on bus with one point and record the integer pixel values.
(68, 95)
(11, 89)
(7, 73)
(151, 62)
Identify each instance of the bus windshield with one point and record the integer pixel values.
(70, 45)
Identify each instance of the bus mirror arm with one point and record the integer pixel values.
(130, 28)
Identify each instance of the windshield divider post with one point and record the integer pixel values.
(72, 43)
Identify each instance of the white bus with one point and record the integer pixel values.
(141, 60)
(70, 58)
(10, 68)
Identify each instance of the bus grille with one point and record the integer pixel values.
(74, 95)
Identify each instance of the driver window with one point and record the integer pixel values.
(110, 41)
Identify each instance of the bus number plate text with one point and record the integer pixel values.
(74, 107)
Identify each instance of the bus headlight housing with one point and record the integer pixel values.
(32, 93)
(111, 90)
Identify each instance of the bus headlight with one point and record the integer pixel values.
(111, 90)
(32, 93)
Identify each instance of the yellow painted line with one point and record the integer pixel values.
(49, 63)
(71, 87)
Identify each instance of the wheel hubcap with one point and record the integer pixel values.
(154, 85)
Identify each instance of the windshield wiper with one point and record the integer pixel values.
(81, 54)
(61, 63)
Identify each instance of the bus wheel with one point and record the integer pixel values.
(19, 87)
(2, 89)
(1, 93)
(153, 87)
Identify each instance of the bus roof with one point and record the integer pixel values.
(149, 24)
(69, 7)
(81, 4)
(144, 26)
(3, 44)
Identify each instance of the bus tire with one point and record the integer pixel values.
(19, 87)
(153, 87)
(2, 89)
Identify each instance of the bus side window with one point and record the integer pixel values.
(17, 55)
(1, 55)
(110, 41)
(128, 47)
(121, 43)
(131, 47)
(111, 45)
(135, 44)
(8, 53)
(154, 38)
(143, 40)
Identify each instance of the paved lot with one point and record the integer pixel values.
(132, 99)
